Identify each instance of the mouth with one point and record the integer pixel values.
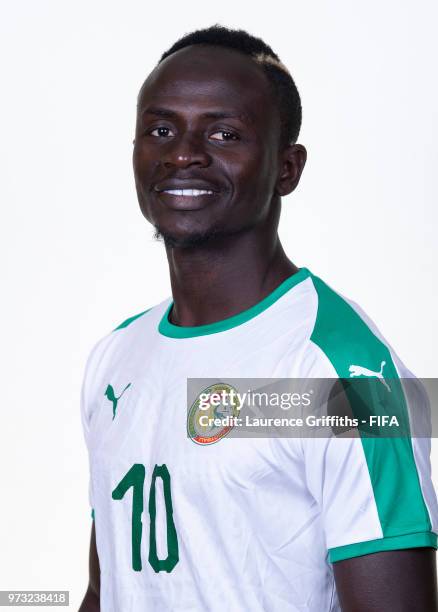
(188, 193)
(189, 198)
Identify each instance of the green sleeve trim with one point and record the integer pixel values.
(92, 513)
(131, 319)
(346, 339)
(411, 540)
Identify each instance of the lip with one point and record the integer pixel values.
(178, 202)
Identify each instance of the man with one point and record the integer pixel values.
(272, 524)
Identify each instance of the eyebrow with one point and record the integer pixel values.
(169, 114)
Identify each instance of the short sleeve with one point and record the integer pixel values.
(89, 384)
(86, 432)
(370, 493)
(375, 492)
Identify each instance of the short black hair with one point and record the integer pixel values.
(283, 86)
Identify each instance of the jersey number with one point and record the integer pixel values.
(135, 478)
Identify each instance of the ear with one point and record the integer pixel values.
(292, 161)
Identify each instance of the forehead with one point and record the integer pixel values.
(202, 75)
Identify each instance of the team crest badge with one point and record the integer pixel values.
(211, 415)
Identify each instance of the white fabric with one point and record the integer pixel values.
(254, 517)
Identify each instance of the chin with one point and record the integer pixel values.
(189, 240)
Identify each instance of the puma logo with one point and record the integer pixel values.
(113, 398)
(356, 370)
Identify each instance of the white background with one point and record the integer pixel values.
(79, 258)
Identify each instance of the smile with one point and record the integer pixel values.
(188, 192)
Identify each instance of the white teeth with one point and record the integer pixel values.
(188, 192)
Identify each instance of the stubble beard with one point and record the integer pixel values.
(197, 239)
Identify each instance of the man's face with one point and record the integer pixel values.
(206, 150)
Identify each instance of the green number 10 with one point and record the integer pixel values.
(135, 478)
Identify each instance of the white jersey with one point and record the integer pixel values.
(243, 524)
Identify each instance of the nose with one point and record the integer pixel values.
(186, 151)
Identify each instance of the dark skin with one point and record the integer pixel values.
(238, 157)
(206, 119)
(91, 601)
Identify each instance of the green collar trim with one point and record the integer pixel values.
(166, 328)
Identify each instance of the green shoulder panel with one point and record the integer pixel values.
(357, 353)
(131, 319)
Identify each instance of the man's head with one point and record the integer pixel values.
(219, 115)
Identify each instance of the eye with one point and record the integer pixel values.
(161, 132)
(224, 135)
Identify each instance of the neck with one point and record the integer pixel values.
(226, 276)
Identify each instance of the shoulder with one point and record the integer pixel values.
(131, 319)
(346, 336)
(123, 338)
